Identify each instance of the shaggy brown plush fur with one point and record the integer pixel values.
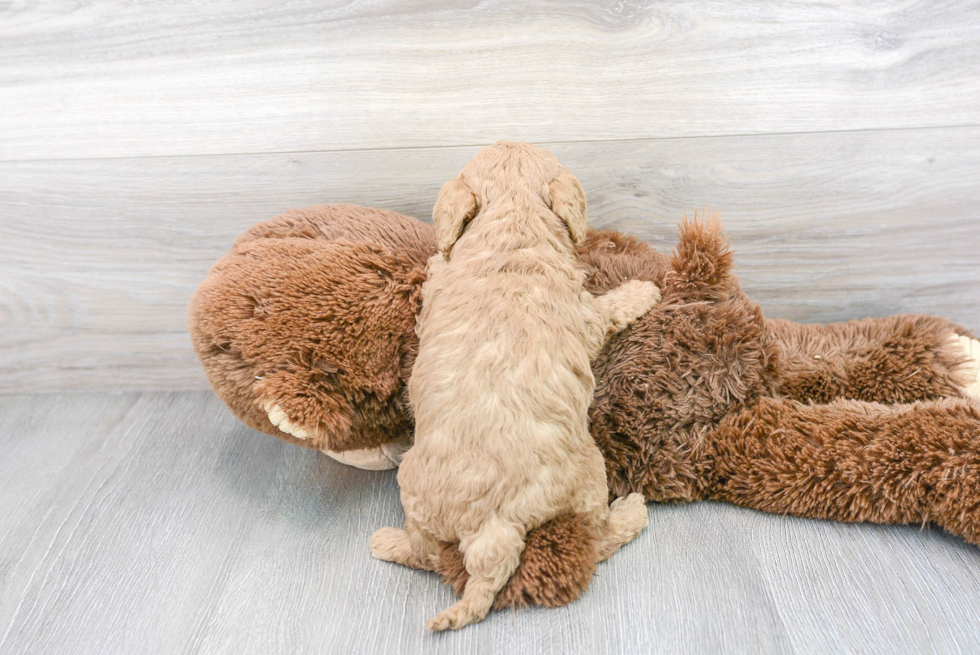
(698, 356)
(703, 398)
(899, 359)
(314, 311)
(853, 461)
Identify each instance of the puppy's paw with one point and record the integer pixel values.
(633, 299)
(279, 419)
(968, 372)
(646, 295)
(628, 516)
(627, 503)
(454, 618)
(389, 544)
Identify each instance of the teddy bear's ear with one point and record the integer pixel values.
(567, 199)
(455, 207)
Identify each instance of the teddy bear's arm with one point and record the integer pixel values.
(898, 359)
(854, 461)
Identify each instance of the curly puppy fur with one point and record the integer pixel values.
(502, 383)
(708, 400)
(562, 552)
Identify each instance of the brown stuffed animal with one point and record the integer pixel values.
(308, 325)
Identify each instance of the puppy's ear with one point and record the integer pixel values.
(455, 207)
(567, 199)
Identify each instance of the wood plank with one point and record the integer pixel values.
(40, 443)
(928, 582)
(98, 259)
(113, 561)
(102, 79)
(170, 528)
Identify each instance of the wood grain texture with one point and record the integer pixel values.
(98, 261)
(110, 79)
(156, 523)
(933, 610)
(840, 141)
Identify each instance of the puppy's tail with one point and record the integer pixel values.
(557, 565)
(701, 265)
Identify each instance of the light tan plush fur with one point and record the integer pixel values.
(502, 384)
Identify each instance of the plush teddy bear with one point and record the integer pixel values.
(306, 331)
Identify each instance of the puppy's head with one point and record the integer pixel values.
(507, 168)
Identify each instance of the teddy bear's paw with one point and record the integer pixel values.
(969, 371)
(279, 419)
(381, 458)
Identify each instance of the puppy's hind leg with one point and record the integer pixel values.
(626, 518)
(411, 547)
(491, 556)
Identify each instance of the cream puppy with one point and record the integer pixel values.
(502, 384)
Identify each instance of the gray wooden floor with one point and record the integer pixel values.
(840, 142)
(156, 523)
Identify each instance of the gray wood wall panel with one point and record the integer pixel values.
(109, 79)
(98, 261)
(156, 523)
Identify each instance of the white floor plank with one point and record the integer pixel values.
(911, 590)
(172, 528)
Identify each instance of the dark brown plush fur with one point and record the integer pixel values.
(703, 398)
